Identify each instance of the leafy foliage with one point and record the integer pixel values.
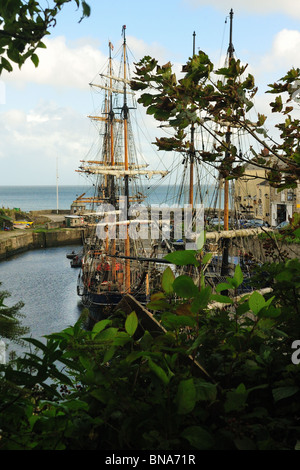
(225, 96)
(10, 324)
(210, 377)
(23, 25)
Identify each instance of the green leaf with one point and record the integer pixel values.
(61, 377)
(14, 55)
(198, 437)
(86, 9)
(159, 372)
(37, 344)
(284, 276)
(121, 338)
(42, 45)
(271, 312)
(35, 59)
(284, 392)
(182, 258)
(223, 286)
(238, 276)
(131, 323)
(158, 305)
(174, 322)
(297, 233)
(107, 335)
(269, 301)
(236, 399)
(100, 326)
(6, 64)
(256, 302)
(167, 280)
(206, 391)
(223, 299)
(108, 355)
(186, 397)
(184, 287)
(206, 258)
(76, 405)
(201, 299)
(146, 341)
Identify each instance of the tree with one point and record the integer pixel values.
(10, 326)
(222, 97)
(23, 25)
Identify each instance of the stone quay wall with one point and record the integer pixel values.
(13, 243)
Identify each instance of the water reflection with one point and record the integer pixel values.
(45, 282)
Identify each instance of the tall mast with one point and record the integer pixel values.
(225, 256)
(126, 177)
(111, 116)
(192, 150)
(111, 113)
(230, 52)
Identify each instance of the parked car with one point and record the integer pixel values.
(240, 223)
(215, 221)
(255, 223)
(283, 224)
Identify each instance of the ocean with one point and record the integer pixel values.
(34, 198)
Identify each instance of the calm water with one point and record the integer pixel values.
(45, 282)
(30, 198)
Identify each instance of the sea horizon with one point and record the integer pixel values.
(51, 197)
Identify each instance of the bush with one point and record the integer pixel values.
(211, 376)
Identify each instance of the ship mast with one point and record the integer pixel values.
(192, 150)
(225, 256)
(126, 176)
(230, 52)
(111, 116)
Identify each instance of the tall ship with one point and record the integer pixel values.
(121, 255)
(116, 259)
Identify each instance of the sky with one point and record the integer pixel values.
(45, 131)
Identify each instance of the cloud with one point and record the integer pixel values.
(287, 7)
(34, 132)
(283, 55)
(285, 51)
(31, 142)
(140, 48)
(61, 65)
(74, 64)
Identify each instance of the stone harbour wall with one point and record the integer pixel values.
(13, 243)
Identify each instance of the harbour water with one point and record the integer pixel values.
(44, 280)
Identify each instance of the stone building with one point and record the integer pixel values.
(283, 204)
(252, 194)
(255, 198)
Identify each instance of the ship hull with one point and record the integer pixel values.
(107, 298)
